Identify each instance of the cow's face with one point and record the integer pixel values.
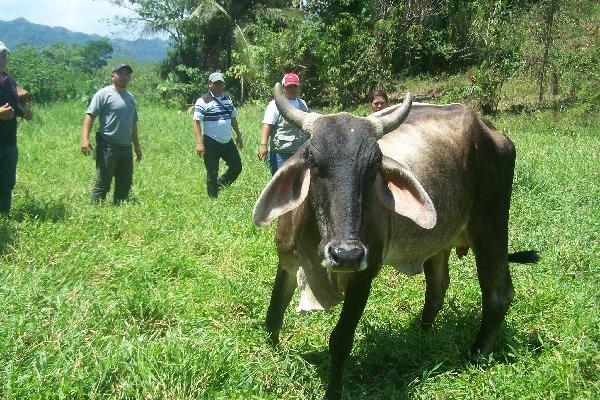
(343, 158)
(335, 171)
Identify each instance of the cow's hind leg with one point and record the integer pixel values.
(437, 279)
(488, 234)
(342, 337)
(497, 293)
(283, 290)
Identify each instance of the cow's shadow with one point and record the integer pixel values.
(7, 234)
(389, 362)
(29, 208)
(26, 209)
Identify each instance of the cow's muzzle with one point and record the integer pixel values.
(345, 256)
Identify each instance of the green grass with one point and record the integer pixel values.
(164, 297)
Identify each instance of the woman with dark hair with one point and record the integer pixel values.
(379, 100)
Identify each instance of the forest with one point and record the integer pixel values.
(450, 50)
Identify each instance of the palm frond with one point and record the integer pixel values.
(207, 8)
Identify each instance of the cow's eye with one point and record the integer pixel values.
(319, 170)
(322, 171)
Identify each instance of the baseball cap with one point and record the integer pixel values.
(3, 48)
(290, 79)
(119, 67)
(216, 76)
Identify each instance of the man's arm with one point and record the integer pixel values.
(263, 147)
(240, 139)
(135, 138)
(198, 134)
(88, 122)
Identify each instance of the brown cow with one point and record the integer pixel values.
(348, 203)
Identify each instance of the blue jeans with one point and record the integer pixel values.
(276, 160)
(8, 175)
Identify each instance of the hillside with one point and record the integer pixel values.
(20, 32)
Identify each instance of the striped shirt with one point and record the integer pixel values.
(215, 117)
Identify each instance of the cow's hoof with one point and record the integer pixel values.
(477, 355)
(426, 325)
(273, 338)
(333, 395)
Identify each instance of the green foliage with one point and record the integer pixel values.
(50, 79)
(89, 57)
(343, 49)
(57, 73)
(487, 82)
(574, 52)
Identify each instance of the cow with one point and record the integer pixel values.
(401, 187)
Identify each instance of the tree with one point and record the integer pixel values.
(96, 54)
(87, 58)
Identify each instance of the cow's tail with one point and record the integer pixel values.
(524, 257)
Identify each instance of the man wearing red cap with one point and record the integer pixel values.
(286, 139)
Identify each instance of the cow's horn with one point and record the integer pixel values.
(387, 120)
(299, 118)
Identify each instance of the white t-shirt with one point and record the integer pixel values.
(285, 137)
(216, 119)
(272, 113)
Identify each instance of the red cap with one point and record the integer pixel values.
(290, 79)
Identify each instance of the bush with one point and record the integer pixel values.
(48, 81)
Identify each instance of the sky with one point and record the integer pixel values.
(76, 15)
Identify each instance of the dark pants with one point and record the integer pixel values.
(8, 175)
(112, 161)
(276, 160)
(213, 152)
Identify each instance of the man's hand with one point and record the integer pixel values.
(7, 112)
(262, 152)
(239, 141)
(138, 153)
(27, 114)
(200, 149)
(86, 147)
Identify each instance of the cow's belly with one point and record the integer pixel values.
(410, 259)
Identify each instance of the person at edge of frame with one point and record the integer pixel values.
(10, 109)
(117, 132)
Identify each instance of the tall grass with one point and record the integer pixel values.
(164, 297)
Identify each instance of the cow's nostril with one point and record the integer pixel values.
(344, 253)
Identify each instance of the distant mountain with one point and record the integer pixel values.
(20, 32)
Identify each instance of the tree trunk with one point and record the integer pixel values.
(551, 10)
(554, 83)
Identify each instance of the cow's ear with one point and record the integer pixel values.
(287, 190)
(399, 190)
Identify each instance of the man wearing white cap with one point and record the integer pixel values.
(286, 139)
(214, 118)
(10, 109)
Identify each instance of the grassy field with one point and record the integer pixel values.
(164, 297)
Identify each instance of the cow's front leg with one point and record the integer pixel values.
(283, 290)
(342, 337)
